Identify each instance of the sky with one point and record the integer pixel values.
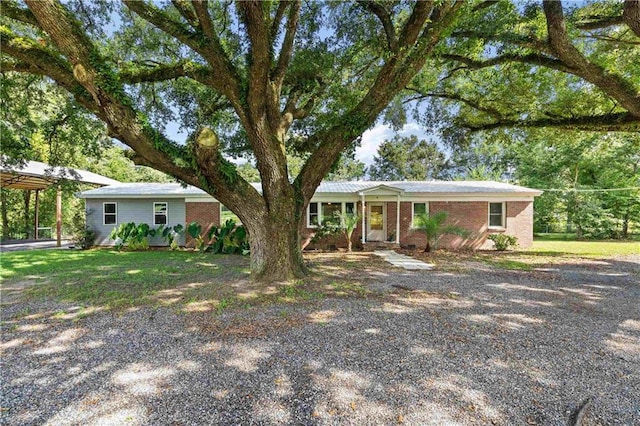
(371, 139)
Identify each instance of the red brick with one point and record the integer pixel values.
(205, 213)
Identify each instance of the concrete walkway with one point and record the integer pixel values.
(32, 245)
(406, 262)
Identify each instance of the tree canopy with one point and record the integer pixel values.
(264, 79)
(407, 158)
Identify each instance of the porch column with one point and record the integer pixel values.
(364, 212)
(398, 220)
(35, 219)
(59, 217)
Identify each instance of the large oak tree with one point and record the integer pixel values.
(269, 78)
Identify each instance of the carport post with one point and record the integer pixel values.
(59, 216)
(35, 219)
(364, 210)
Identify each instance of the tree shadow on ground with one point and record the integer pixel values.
(505, 347)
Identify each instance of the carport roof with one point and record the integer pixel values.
(37, 175)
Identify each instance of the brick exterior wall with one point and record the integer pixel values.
(205, 213)
(470, 215)
(337, 240)
(520, 222)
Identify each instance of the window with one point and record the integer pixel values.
(160, 213)
(110, 213)
(313, 215)
(418, 209)
(496, 215)
(350, 208)
(325, 212)
(329, 211)
(226, 214)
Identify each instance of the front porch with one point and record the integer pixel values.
(379, 245)
(376, 204)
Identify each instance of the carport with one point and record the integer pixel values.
(37, 176)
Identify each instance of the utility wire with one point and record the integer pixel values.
(633, 188)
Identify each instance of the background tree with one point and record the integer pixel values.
(407, 158)
(347, 169)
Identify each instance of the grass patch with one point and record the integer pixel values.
(185, 280)
(505, 263)
(585, 248)
(113, 279)
(349, 288)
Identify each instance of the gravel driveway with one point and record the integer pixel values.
(471, 347)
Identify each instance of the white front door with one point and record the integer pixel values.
(375, 222)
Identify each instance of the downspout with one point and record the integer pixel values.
(398, 220)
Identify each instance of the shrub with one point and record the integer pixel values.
(433, 227)
(132, 236)
(228, 238)
(81, 236)
(503, 241)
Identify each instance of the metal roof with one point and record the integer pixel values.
(175, 190)
(420, 187)
(37, 175)
(169, 190)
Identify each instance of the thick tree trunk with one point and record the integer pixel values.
(275, 246)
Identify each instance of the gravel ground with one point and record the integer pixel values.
(471, 347)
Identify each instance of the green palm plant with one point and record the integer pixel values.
(348, 224)
(433, 227)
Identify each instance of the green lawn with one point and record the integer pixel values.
(586, 248)
(187, 280)
(116, 279)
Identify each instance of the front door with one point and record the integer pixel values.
(375, 222)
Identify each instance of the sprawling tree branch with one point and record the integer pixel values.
(417, 40)
(611, 83)
(184, 8)
(254, 15)
(596, 23)
(287, 46)
(531, 58)
(164, 72)
(11, 10)
(455, 97)
(615, 122)
(34, 58)
(631, 15)
(227, 81)
(385, 19)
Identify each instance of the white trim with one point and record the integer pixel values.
(196, 199)
(382, 190)
(343, 209)
(309, 225)
(504, 215)
(413, 212)
(364, 213)
(104, 213)
(166, 214)
(384, 220)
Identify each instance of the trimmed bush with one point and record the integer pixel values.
(503, 241)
